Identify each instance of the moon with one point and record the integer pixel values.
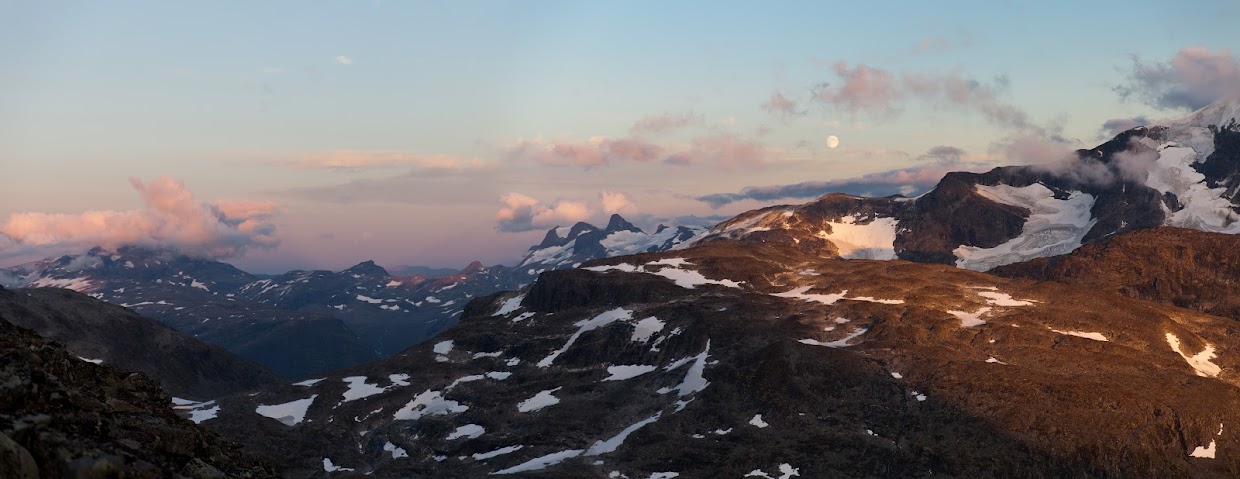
(833, 141)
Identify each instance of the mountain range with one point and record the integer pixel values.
(302, 322)
(1070, 320)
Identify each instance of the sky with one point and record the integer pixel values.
(280, 135)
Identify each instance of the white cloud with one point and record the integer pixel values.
(617, 203)
(343, 60)
(524, 213)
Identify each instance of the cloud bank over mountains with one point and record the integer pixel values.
(171, 218)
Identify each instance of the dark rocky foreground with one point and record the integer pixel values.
(734, 359)
(93, 329)
(64, 417)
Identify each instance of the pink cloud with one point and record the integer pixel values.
(1193, 78)
(879, 92)
(617, 203)
(171, 218)
(595, 152)
(722, 150)
(355, 159)
(863, 89)
(781, 106)
(665, 123)
(524, 213)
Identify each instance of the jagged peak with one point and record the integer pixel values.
(618, 223)
(579, 228)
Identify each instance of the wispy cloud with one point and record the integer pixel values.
(343, 60)
(1193, 78)
(362, 159)
(881, 93)
(598, 151)
(861, 89)
(724, 150)
(934, 44)
(171, 218)
(721, 150)
(913, 180)
(782, 107)
(665, 123)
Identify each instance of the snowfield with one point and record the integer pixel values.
(1054, 226)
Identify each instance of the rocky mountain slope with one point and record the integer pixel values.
(1185, 173)
(108, 334)
(1187, 268)
(64, 417)
(738, 358)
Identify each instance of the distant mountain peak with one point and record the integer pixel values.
(618, 223)
(473, 267)
(367, 268)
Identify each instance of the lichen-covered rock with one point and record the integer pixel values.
(61, 416)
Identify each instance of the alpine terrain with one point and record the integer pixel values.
(847, 337)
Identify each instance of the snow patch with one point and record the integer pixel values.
(538, 401)
(644, 329)
(469, 431)
(694, 381)
(542, 462)
(509, 306)
(498, 452)
(1054, 226)
(1003, 299)
(610, 445)
(329, 467)
(359, 388)
(840, 343)
(786, 471)
(429, 403)
(368, 299)
(969, 320)
(289, 413)
(1205, 208)
(200, 415)
(684, 278)
(832, 298)
(603, 319)
(757, 421)
(1082, 334)
(873, 240)
(627, 371)
(1200, 361)
(397, 452)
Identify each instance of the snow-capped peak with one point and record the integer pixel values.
(1223, 113)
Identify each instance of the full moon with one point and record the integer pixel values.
(833, 141)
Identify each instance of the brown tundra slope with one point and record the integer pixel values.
(1187, 268)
